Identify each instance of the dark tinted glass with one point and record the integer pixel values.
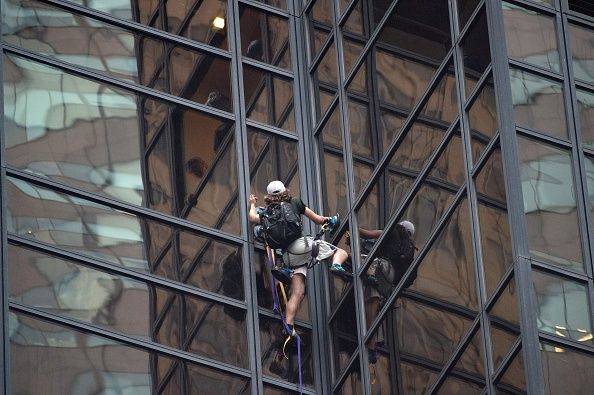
(86, 363)
(493, 221)
(472, 358)
(504, 322)
(265, 37)
(465, 10)
(392, 69)
(113, 51)
(449, 167)
(122, 304)
(416, 380)
(442, 105)
(321, 21)
(447, 271)
(549, 204)
(582, 52)
(429, 36)
(272, 157)
(115, 143)
(333, 165)
(97, 231)
(268, 98)
(562, 307)
(419, 325)
(513, 380)
(482, 119)
(566, 371)
(457, 386)
(203, 21)
(352, 384)
(538, 103)
(476, 51)
(325, 81)
(275, 3)
(585, 109)
(274, 362)
(531, 37)
(344, 330)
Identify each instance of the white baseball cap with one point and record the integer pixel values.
(275, 187)
(410, 228)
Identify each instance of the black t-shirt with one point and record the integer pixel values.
(298, 205)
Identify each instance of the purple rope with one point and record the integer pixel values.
(276, 308)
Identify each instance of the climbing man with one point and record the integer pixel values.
(296, 246)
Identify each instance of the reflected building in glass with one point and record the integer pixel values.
(134, 131)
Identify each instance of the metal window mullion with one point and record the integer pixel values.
(513, 184)
(349, 179)
(146, 278)
(243, 188)
(578, 158)
(140, 212)
(472, 198)
(4, 313)
(130, 87)
(129, 341)
(137, 28)
(309, 178)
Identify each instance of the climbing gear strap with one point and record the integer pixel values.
(277, 309)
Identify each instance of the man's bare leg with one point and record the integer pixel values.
(297, 295)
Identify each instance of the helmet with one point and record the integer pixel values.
(275, 187)
(410, 228)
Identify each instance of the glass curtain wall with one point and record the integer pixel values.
(549, 66)
(133, 132)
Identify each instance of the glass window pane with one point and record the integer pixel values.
(401, 80)
(538, 103)
(272, 157)
(447, 271)
(562, 307)
(398, 32)
(122, 304)
(585, 109)
(504, 323)
(589, 165)
(582, 51)
(465, 10)
(274, 363)
(325, 81)
(513, 380)
(493, 221)
(352, 384)
(482, 119)
(476, 51)
(531, 37)
(119, 53)
(449, 167)
(343, 330)
(86, 363)
(265, 37)
(416, 380)
(566, 371)
(456, 386)
(442, 105)
(550, 205)
(276, 3)
(112, 142)
(417, 325)
(96, 231)
(193, 19)
(268, 98)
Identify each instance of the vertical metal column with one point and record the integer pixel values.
(513, 186)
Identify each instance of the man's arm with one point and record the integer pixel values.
(253, 217)
(316, 218)
(369, 234)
